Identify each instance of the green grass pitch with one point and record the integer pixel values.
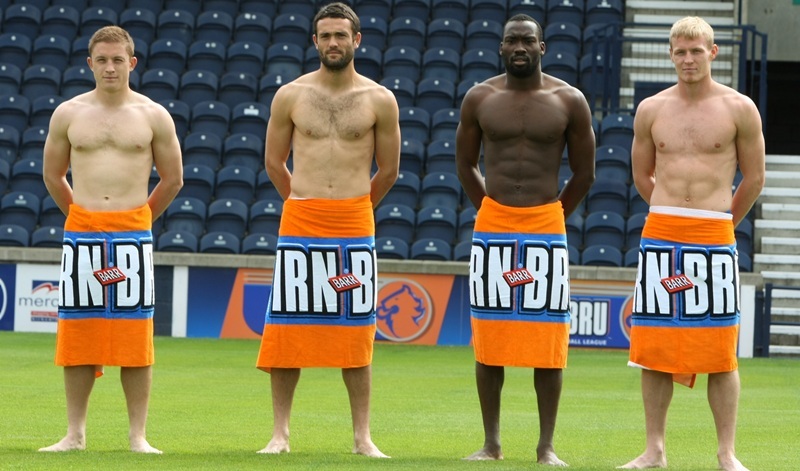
(210, 409)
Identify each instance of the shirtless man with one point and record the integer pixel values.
(688, 141)
(110, 137)
(334, 121)
(523, 119)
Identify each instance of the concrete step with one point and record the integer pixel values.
(772, 262)
(781, 178)
(785, 211)
(782, 278)
(672, 18)
(784, 351)
(679, 5)
(776, 228)
(779, 195)
(778, 245)
(783, 162)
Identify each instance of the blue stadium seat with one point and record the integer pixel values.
(412, 156)
(252, 27)
(440, 189)
(80, 51)
(10, 79)
(405, 190)
(446, 33)
(373, 8)
(265, 7)
(206, 56)
(244, 150)
(601, 256)
(395, 221)
(285, 59)
(493, 10)
(265, 189)
(434, 94)
(181, 115)
(604, 12)
(403, 88)
(32, 145)
(483, 34)
(561, 65)
(431, 249)
(169, 54)
(437, 223)
(402, 61)
(9, 147)
(229, 7)
(574, 225)
(592, 69)
(202, 149)
(462, 88)
(15, 111)
(259, 244)
(574, 255)
(565, 11)
(444, 124)
(291, 28)
(221, 242)
(51, 50)
(214, 26)
(368, 61)
(297, 7)
(420, 9)
(5, 172)
(633, 230)
(186, 215)
(20, 208)
(265, 216)
(311, 60)
(635, 202)
(227, 214)
(415, 124)
(198, 86)
(441, 156)
(191, 6)
(94, 18)
(478, 65)
(140, 23)
(537, 9)
(236, 182)
(374, 31)
(177, 241)
(441, 63)
(160, 84)
(211, 117)
(745, 262)
(744, 237)
(22, 18)
(612, 162)
(268, 84)
(630, 258)
(48, 237)
(392, 248)
(40, 80)
(466, 224)
(250, 117)
(608, 195)
(462, 251)
(245, 57)
(176, 24)
(563, 37)
(455, 9)
(617, 129)
(12, 235)
(604, 228)
(198, 182)
(16, 49)
(61, 20)
(115, 5)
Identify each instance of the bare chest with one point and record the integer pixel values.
(346, 117)
(126, 132)
(537, 119)
(693, 131)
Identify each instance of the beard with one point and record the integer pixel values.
(337, 64)
(520, 71)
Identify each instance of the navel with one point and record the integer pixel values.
(358, 134)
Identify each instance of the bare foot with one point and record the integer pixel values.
(731, 464)
(485, 454)
(368, 449)
(275, 446)
(141, 446)
(549, 458)
(646, 462)
(66, 444)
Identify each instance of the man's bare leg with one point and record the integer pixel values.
(547, 383)
(78, 383)
(657, 394)
(723, 397)
(136, 382)
(359, 384)
(490, 386)
(283, 382)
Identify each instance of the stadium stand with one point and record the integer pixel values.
(221, 242)
(431, 249)
(140, 23)
(391, 248)
(259, 244)
(177, 241)
(61, 20)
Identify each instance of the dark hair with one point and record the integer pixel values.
(338, 10)
(524, 17)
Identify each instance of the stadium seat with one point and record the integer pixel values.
(181, 115)
(22, 18)
(236, 182)
(48, 237)
(245, 57)
(265, 216)
(405, 190)
(208, 56)
(51, 50)
(412, 156)
(211, 117)
(604, 12)
(601, 256)
(392, 248)
(169, 54)
(61, 20)
(311, 60)
(431, 249)
(265, 189)
(563, 37)
(198, 86)
(395, 221)
(198, 182)
(493, 10)
(420, 9)
(478, 65)
(635, 202)
(21, 208)
(9, 147)
(94, 18)
(187, 215)
(228, 215)
(407, 32)
(446, 33)
(260, 244)
(291, 28)
(617, 129)
(441, 63)
(368, 61)
(437, 223)
(745, 262)
(415, 124)
(250, 117)
(176, 24)
(604, 228)
(140, 23)
(462, 251)
(177, 241)
(27, 175)
(297, 7)
(32, 144)
(561, 65)
(116, 5)
(466, 224)
(269, 84)
(15, 49)
(483, 34)
(592, 70)
(15, 111)
(252, 28)
(10, 79)
(190, 6)
(160, 84)
(537, 9)
(574, 255)
(285, 59)
(440, 189)
(444, 124)
(403, 88)
(462, 88)
(12, 235)
(221, 242)
(608, 195)
(79, 51)
(76, 79)
(244, 150)
(613, 162)
(229, 7)
(574, 224)
(202, 149)
(265, 7)
(441, 156)
(434, 94)
(373, 8)
(214, 26)
(630, 259)
(565, 11)
(744, 237)
(40, 80)
(633, 230)
(402, 61)
(374, 31)
(455, 9)
(5, 174)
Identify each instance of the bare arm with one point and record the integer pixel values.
(168, 161)
(581, 153)
(387, 145)
(57, 157)
(750, 154)
(643, 152)
(279, 141)
(468, 149)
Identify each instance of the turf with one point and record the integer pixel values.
(211, 410)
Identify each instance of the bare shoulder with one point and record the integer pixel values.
(378, 94)
(481, 90)
(651, 105)
(738, 103)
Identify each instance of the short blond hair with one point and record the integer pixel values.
(692, 27)
(113, 35)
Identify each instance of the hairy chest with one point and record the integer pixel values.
(319, 116)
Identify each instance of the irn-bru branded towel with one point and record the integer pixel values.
(519, 286)
(106, 289)
(686, 301)
(321, 311)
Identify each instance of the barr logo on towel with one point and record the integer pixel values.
(109, 276)
(344, 282)
(517, 277)
(677, 283)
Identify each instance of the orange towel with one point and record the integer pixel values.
(321, 311)
(686, 300)
(106, 289)
(519, 286)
